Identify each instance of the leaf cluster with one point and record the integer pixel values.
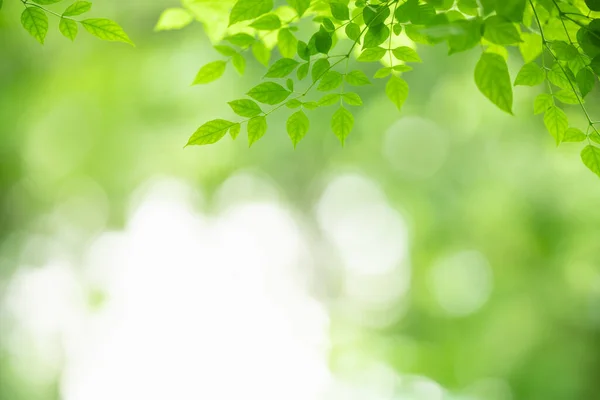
(557, 42)
(35, 20)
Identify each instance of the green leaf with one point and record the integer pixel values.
(586, 80)
(245, 108)
(352, 99)
(357, 78)
(567, 96)
(297, 127)
(211, 132)
(45, 2)
(531, 46)
(372, 54)
(225, 50)
(257, 127)
(244, 10)
(78, 8)
(171, 19)
(282, 68)
(269, 93)
(241, 39)
(574, 135)
(239, 63)
(342, 123)
(558, 77)
(383, 73)
(563, 50)
(375, 36)
(210, 72)
(68, 28)
(299, 5)
(339, 10)
(501, 31)
(234, 131)
(106, 29)
(511, 9)
(287, 43)
(289, 83)
(530, 74)
(406, 54)
(35, 21)
(323, 41)
(556, 122)
(302, 71)
(268, 22)
(397, 91)
(293, 103)
(329, 99)
(261, 53)
(353, 31)
(593, 5)
(330, 81)
(542, 102)
(493, 80)
(320, 67)
(590, 156)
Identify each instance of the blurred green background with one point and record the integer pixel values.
(454, 249)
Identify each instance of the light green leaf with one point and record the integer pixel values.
(530, 74)
(330, 81)
(239, 63)
(357, 78)
(77, 8)
(353, 31)
(320, 67)
(567, 96)
(46, 2)
(268, 22)
(574, 135)
(287, 43)
(406, 54)
(342, 123)
(240, 39)
(493, 80)
(244, 10)
(531, 46)
(302, 71)
(397, 91)
(329, 99)
(501, 31)
(257, 127)
(211, 132)
(269, 93)
(106, 29)
(68, 28)
(261, 53)
(225, 50)
(173, 18)
(299, 5)
(372, 54)
(352, 99)
(383, 73)
(297, 126)
(556, 122)
(591, 158)
(245, 108)
(542, 102)
(234, 131)
(282, 68)
(35, 21)
(293, 103)
(210, 72)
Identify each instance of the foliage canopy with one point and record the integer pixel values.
(557, 43)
